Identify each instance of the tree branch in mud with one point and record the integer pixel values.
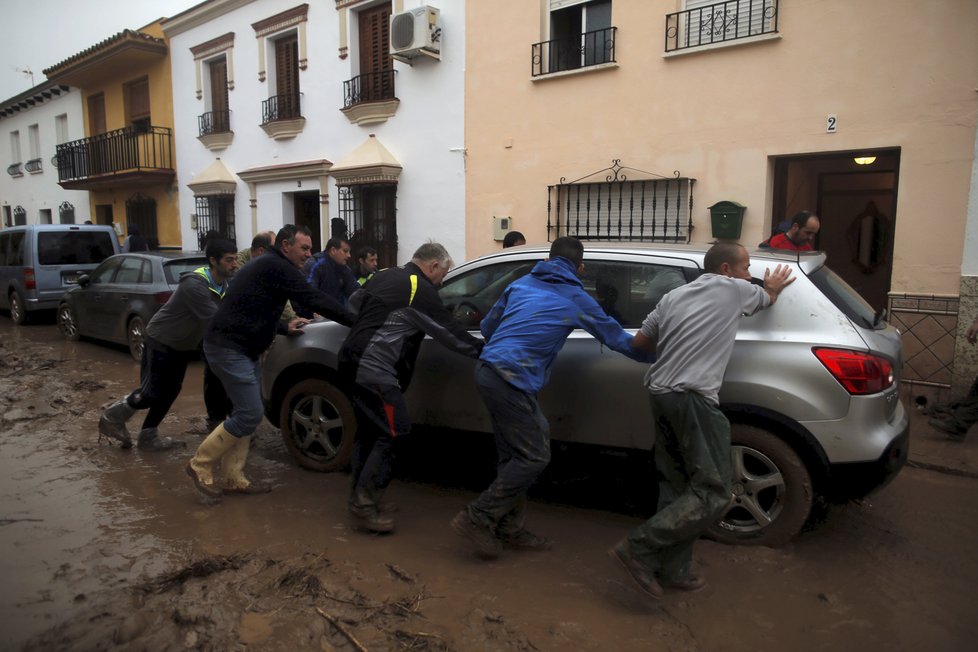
(343, 630)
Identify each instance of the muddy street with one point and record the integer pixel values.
(103, 548)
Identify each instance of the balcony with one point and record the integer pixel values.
(215, 129)
(33, 166)
(132, 156)
(586, 50)
(723, 23)
(14, 170)
(369, 98)
(281, 116)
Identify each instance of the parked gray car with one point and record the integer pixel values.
(119, 298)
(811, 389)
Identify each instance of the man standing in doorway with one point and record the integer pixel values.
(240, 332)
(800, 236)
(693, 330)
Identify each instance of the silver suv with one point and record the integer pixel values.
(811, 389)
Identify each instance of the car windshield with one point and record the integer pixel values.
(846, 299)
(174, 269)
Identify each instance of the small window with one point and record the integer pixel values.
(581, 35)
(105, 271)
(134, 270)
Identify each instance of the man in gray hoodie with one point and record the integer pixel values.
(173, 339)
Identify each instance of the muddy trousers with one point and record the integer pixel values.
(216, 400)
(382, 416)
(161, 373)
(692, 457)
(522, 449)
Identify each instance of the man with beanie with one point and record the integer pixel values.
(173, 338)
(240, 332)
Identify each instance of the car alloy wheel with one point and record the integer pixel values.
(135, 337)
(771, 495)
(18, 313)
(67, 323)
(318, 425)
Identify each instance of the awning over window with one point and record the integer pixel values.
(371, 162)
(216, 179)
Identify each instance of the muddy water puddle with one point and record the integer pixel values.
(103, 548)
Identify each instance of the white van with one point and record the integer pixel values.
(39, 262)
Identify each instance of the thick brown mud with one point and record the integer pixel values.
(110, 549)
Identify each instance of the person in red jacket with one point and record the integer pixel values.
(800, 236)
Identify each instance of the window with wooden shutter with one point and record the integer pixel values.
(96, 114)
(287, 76)
(137, 104)
(219, 96)
(376, 64)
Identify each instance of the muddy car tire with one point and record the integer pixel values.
(136, 337)
(772, 491)
(67, 323)
(18, 311)
(318, 425)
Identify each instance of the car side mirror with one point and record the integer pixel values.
(84, 280)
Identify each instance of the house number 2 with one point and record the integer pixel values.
(831, 123)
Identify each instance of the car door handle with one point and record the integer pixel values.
(124, 297)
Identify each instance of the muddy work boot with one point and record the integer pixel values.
(371, 519)
(149, 439)
(526, 540)
(202, 466)
(644, 577)
(485, 542)
(112, 422)
(235, 481)
(691, 583)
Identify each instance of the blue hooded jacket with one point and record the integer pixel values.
(529, 324)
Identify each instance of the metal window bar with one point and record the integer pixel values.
(720, 23)
(20, 216)
(280, 107)
(369, 87)
(141, 212)
(622, 209)
(368, 213)
(215, 213)
(214, 122)
(116, 151)
(579, 51)
(33, 165)
(66, 213)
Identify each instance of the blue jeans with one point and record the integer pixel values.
(241, 377)
(522, 449)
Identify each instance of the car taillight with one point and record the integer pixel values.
(860, 373)
(162, 297)
(29, 281)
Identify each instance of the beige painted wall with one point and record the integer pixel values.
(897, 73)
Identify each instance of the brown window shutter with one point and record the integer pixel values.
(287, 66)
(138, 93)
(374, 26)
(96, 114)
(219, 85)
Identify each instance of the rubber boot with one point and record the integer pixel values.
(233, 466)
(368, 515)
(112, 422)
(202, 465)
(149, 439)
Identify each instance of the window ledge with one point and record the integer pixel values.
(369, 113)
(696, 49)
(576, 71)
(282, 129)
(217, 141)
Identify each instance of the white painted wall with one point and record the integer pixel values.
(424, 134)
(40, 191)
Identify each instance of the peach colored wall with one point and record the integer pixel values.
(897, 73)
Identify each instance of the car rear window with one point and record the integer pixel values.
(174, 269)
(73, 247)
(846, 299)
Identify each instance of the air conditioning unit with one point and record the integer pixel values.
(415, 32)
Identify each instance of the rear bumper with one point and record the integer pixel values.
(856, 480)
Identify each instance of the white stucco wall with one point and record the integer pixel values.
(422, 135)
(40, 190)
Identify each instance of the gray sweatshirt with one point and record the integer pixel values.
(182, 321)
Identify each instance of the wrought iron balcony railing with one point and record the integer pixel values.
(369, 87)
(33, 165)
(14, 170)
(720, 23)
(280, 107)
(578, 51)
(214, 122)
(114, 152)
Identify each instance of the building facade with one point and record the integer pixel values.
(126, 159)
(298, 113)
(33, 124)
(686, 120)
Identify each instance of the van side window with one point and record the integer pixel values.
(15, 254)
(4, 245)
(73, 247)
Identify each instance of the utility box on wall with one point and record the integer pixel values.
(500, 227)
(727, 217)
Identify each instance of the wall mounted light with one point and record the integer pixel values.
(864, 160)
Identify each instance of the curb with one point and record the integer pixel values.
(942, 468)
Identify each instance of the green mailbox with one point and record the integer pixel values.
(727, 218)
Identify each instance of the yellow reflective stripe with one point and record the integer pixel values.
(414, 288)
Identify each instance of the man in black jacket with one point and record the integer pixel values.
(397, 308)
(242, 329)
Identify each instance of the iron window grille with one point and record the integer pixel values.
(33, 165)
(215, 213)
(66, 213)
(720, 23)
(14, 170)
(369, 87)
(20, 216)
(214, 122)
(579, 51)
(368, 217)
(141, 213)
(651, 208)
